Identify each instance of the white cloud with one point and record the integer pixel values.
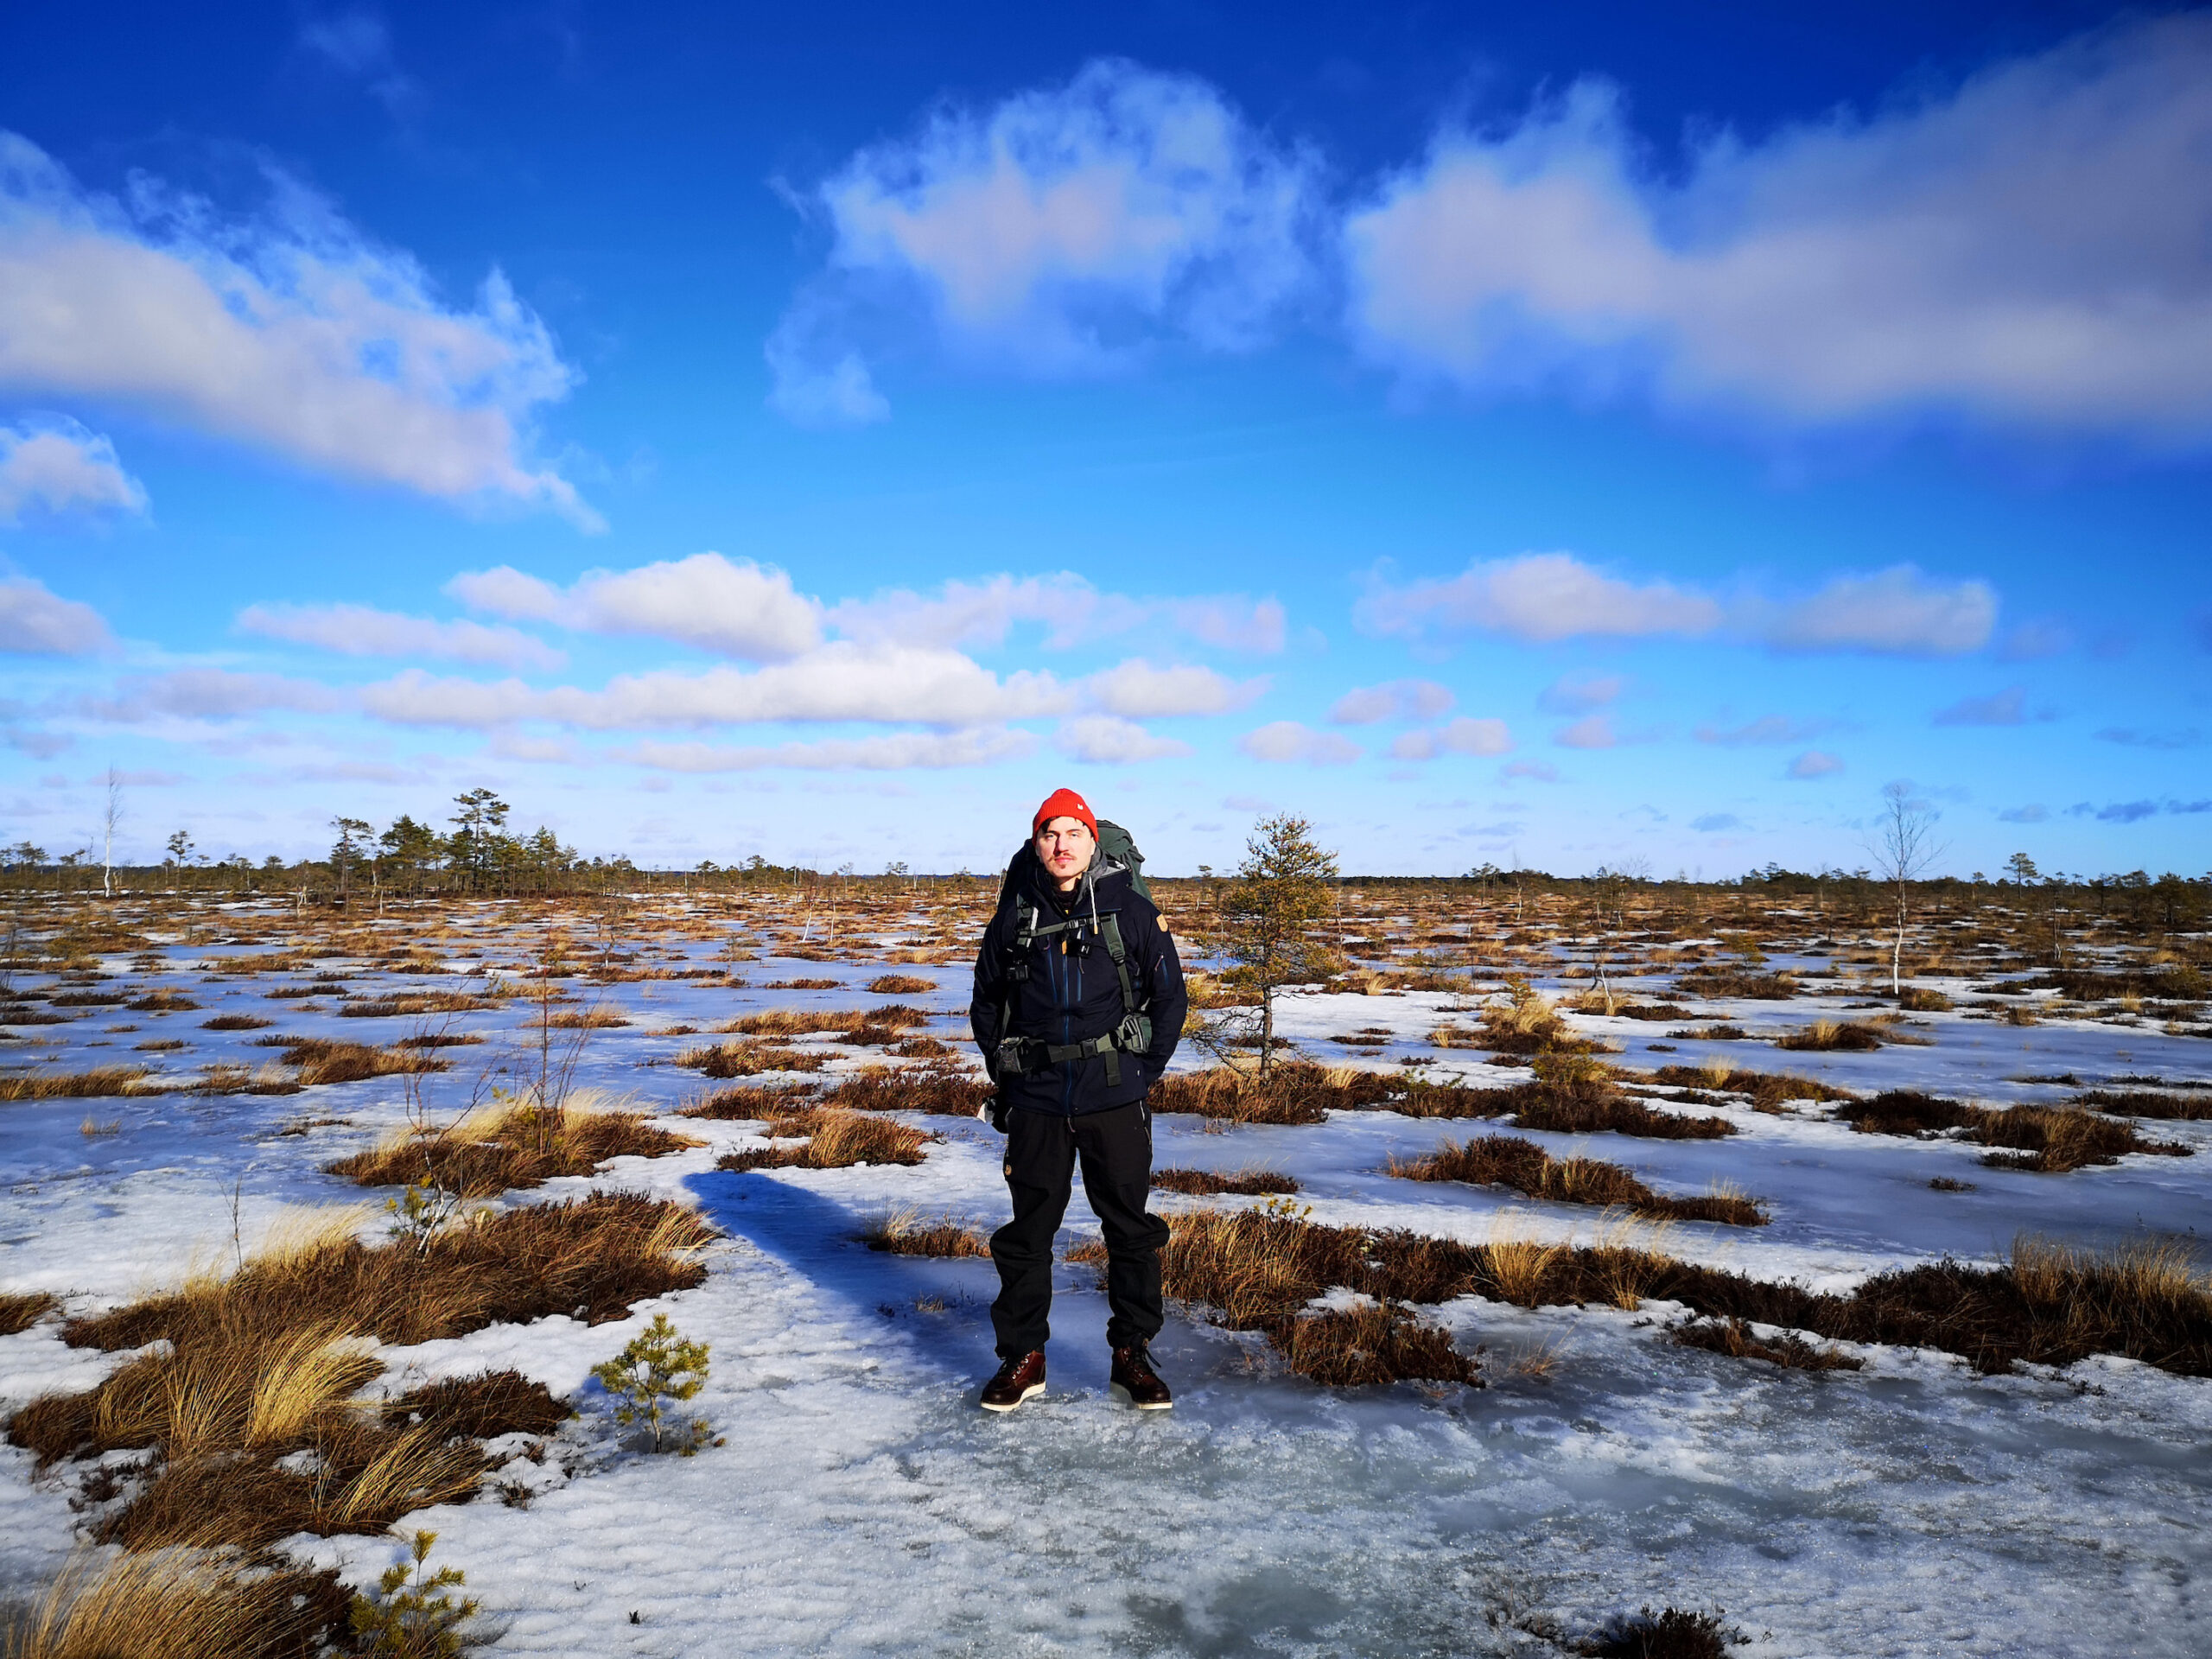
(2027, 248)
(1594, 732)
(1815, 763)
(1106, 740)
(1767, 728)
(1286, 740)
(809, 392)
(292, 335)
(895, 752)
(1465, 735)
(207, 694)
(38, 624)
(58, 467)
(1536, 770)
(363, 631)
(840, 681)
(1896, 613)
(1543, 598)
(1578, 694)
(1398, 700)
(1057, 232)
(1230, 622)
(1072, 611)
(731, 607)
(1139, 690)
(2006, 708)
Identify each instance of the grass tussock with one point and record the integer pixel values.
(324, 1059)
(236, 1022)
(415, 1002)
(257, 1369)
(100, 1081)
(584, 1019)
(1768, 1089)
(941, 1090)
(522, 1146)
(867, 1026)
(721, 1060)
(182, 1606)
(906, 1232)
(1509, 1160)
(1293, 1091)
(165, 1002)
(1671, 1633)
(1207, 1183)
(2051, 1140)
(1716, 982)
(1832, 1036)
(835, 1140)
(901, 985)
(753, 1102)
(1573, 1094)
(1919, 999)
(1527, 1022)
(1361, 1346)
(2144, 1103)
(1736, 1339)
(21, 1309)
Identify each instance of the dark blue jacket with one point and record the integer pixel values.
(1071, 993)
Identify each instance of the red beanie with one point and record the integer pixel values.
(1064, 804)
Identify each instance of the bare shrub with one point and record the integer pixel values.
(1206, 1182)
(1509, 1160)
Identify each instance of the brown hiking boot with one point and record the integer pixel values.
(1135, 1382)
(1014, 1381)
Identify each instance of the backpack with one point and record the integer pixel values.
(1117, 850)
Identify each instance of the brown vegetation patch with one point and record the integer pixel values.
(1293, 1091)
(325, 1059)
(1361, 1346)
(1735, 1339)
(904, 1233)
(921, 1048)
(750, 1059)
(884, 1025)
(835, 1140)
(236, 1022)
(1671, 1633)
(761, 1100)
(1906, 1111)
(2047, 1139)
(803, 984)
(481, 1408)
(88, 1000)
(584, 1019)
(901, 985)
(184, 1607)
(1917, 999)
(1207, 1183)
(1824, 1036)
(101, 1080)
(2137, 1104)
(1714, 982)
(415, 1002)
(1509, 1160)
(1768, 1089)
(21, 1309)
(524, 1148)
(942, 1090)
(2180, 983)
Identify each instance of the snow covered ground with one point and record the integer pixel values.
(860, 1505)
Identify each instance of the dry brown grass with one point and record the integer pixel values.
(1718, 982)
(1736, 1341)
(803, 984)
(323, 1060)
(757, 1101)
(236, 1022)
(901, 985)
(521, 1146)
(21, 1309)
(750, 1059)
(1826, 1036)
(1293, 1091)
(1207, 1183)
(1768, 1089)
(835, 1140)
(1671, 1633)
(1575, 1095)
(415, 1002)
(2144, 1103)
(905, 1232)
(100, 1081)
(586, 1020)
(164, 1002)
(1509, 1160)
(182, 1605)
(941, 1090)
(882, 1025)
(2051, 1140)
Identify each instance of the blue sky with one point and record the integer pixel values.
(1573, 439)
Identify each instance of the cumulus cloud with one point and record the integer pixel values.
(1578, 694)
(1543, 598)
(36, 623)
(1139, 690)
(57, 467)
(841, 681)
(732, 607)
(2136, 811)
(1465, 735)
(292, 335)
(1535, 771)
(1286, 740)
(1054, 232)
(207, 694)
(1071, 609)
(1814, 763)
(363, 631)
(2006, 708)
(1398, 700)
(2025, 249)
(2032, 813)
(1594, 732)
(893, 752)
(1106, 740)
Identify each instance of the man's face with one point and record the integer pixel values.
(1064, 846)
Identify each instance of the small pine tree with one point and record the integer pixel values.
(659, 1366)
(415, 1616)
(1283, 889)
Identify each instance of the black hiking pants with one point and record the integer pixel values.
(1042, 1151)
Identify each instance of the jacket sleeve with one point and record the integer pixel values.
(1163, 981)
(983, 1002)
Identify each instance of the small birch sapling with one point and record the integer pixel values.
(659, 1368)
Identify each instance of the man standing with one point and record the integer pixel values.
(1078, 1005)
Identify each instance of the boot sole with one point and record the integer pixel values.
(1029, 1392)
(1123, 1395)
